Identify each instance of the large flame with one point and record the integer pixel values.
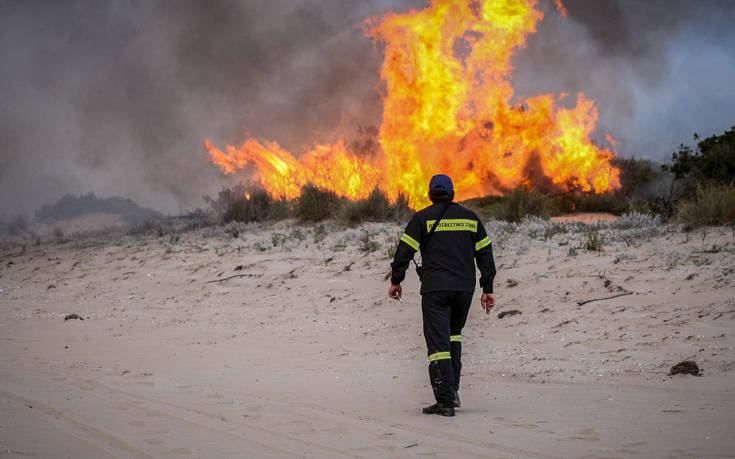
(447, 109)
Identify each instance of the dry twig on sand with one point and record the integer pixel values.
(580, 303)
(231, 277)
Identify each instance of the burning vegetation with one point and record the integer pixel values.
(448, 108)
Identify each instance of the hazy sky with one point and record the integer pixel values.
(116, 97)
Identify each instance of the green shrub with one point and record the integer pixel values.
(258, 206)
(487, 207)
(279, 209)
(516, 205)
(401, 209)
(377, 208)
(247, 203)
(368, 245)
(520, 203)
(316, 204)
(711, 205)
(712, 161)
(595, 240)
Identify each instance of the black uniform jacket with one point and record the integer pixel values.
(449, 258)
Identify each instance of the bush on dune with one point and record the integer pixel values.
(711, 205)
(516, 205)
(247, 203)
(376, 208)
(255, 207)
(520, 203)
(706, 174)
(713, 161)
(401, 209)
(316, 204)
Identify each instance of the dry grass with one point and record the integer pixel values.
(712, 205)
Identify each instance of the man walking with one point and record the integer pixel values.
(451, 238)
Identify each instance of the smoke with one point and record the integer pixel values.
(659, 70)
(117, 97)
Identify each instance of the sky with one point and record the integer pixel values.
(117, 97)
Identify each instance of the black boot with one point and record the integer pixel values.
(457, 402)
(438, 408)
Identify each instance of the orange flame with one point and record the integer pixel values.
(447, 109)
(612, 142)
(560, 6)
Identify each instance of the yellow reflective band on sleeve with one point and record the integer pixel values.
(482, 244)
(439, 356)
(453, 224)
(456, 338)
(410, 241)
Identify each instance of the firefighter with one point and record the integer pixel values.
(448, 281)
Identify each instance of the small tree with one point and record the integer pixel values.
(713, 162)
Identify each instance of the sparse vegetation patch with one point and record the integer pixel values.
(711, 205)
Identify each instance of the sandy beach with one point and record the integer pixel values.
(281, 342)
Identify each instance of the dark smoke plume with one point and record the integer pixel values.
(659, 70)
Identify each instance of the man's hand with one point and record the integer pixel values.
(395, 292)
(487, 301)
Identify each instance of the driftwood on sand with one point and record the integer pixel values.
(580, 303)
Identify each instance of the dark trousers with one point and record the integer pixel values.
(445, 314)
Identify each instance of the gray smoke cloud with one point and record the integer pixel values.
(659, 70)
(117, 97)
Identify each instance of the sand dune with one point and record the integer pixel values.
(281, 342)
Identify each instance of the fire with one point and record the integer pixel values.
(326, 166)
(447, 109)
